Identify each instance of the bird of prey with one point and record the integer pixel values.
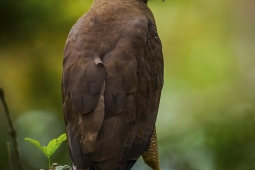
(111, 86)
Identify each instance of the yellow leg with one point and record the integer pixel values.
(151, 157)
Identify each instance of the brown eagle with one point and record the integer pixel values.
(111, 86)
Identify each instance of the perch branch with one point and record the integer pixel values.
(12, 131)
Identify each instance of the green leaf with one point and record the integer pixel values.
(38, 145)
(55, 143)
(51, 147)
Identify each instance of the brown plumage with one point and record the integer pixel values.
(111, 85)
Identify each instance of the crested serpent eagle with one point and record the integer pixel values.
(111, 85)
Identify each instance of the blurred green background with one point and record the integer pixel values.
(206, 119)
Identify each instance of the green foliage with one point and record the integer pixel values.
(38, 145)
(51, 147)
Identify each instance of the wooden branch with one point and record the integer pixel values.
(12, 131)
(10, 155)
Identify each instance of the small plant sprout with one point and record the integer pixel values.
(51, 147)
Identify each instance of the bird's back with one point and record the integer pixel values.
(112, 80)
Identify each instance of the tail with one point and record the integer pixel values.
(124, 166)
(127, 165)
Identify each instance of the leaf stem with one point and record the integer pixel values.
(49, 161)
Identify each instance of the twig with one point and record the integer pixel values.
(10, 155)
(12, 132)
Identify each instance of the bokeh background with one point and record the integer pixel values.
(206, 119)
